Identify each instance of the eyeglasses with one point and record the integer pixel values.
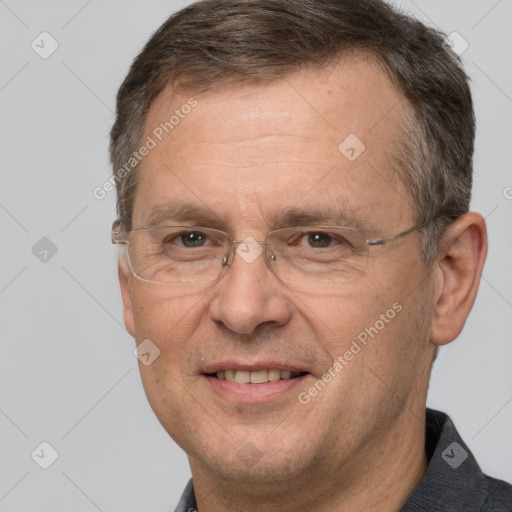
(303, 255)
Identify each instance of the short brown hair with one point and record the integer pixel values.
(214, 42)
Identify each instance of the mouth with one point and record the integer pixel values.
(254, 384)
(256, 377)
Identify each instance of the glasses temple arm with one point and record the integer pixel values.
(384, 241)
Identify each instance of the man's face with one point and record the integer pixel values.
(245, 153)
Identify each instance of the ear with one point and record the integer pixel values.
(458, 271)
(125, 279)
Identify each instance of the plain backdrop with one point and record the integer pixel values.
(68, 376)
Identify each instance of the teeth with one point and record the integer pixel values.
(259, 377)
(242, 377)
(274, 375)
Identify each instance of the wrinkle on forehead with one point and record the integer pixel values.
(251, 148)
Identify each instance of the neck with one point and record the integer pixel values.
(386, 472)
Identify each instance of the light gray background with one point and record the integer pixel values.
(67, 372)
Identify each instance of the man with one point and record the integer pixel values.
(293, 184)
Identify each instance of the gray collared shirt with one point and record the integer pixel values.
(453, 481)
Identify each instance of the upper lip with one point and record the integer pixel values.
(251, 367)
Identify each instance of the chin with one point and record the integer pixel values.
(255, 457)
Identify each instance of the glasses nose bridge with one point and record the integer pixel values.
(228, 258)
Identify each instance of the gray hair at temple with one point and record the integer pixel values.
(212, 43)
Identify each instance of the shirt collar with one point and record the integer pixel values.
(453, 480)
(187, 501)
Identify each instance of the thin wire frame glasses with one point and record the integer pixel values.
(186, 255)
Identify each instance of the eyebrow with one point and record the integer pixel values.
(185, 212)
(310, 216)
(203, 216)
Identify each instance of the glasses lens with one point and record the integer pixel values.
(312, 255)
(178, 254)
(307, 255)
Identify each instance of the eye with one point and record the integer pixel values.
(192, 239)
(186, 239)
(319, 239)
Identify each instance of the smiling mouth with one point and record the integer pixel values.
(256, 377)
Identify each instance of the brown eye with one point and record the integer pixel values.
(319, 240)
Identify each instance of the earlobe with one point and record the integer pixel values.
(125, 282)
(459, 268)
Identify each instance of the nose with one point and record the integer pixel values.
(249, 294)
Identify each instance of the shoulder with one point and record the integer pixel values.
(499, 496)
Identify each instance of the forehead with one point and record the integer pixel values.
(242, 149)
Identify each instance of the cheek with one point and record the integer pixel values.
(367, 327)
(340, 314)
(169, 318)
(163, 313)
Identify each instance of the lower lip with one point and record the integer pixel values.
(254, 393)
